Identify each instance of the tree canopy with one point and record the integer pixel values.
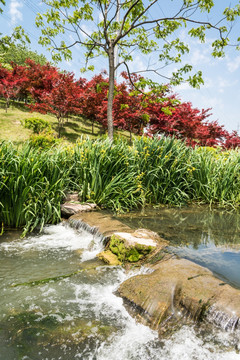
(18, 35)
(103, 27)
(18, 54)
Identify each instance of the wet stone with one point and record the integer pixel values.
(109, 258)
(180, 285)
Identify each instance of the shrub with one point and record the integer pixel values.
(36, 124)
(44, 140)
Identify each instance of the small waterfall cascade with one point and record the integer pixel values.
(47, 316)
(223, 320)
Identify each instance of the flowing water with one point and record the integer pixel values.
(57, 303)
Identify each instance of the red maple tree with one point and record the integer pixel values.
(60, 99)
(10, 85)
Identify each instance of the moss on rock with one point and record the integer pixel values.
(126, 253)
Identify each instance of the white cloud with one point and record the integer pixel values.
(233, 64)
(137, 64)
(15, 11)
(200, 56)
(86, 31)
(222, 83)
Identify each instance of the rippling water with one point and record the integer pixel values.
(78, 316)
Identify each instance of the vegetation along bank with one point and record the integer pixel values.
(114, 175)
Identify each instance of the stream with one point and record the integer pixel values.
(58, 302)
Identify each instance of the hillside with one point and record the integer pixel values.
(12, 129)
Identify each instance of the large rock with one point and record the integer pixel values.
(128, 245)
(179, 284)
(100, 223)
(70, 208)
(136, 246)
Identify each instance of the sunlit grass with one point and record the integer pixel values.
(74, 127)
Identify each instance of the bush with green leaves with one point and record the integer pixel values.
(32, 185)
(36, 124)
(44, 140)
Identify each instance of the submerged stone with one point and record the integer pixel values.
(109, 258)
(30, 330)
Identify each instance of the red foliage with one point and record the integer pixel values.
(60, 99)
(10, 85)
(93, 99)
(128, 108)
(60, 94)
(232, 140)
(39, 78)
(185, 122)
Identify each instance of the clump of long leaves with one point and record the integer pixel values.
(114, 175)
(215, 176)
(32, 185)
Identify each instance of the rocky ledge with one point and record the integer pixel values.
(122, 244)
(179, 285)
(172, 286)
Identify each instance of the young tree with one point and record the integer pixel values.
(10, 85)
(61, 100)
(18, 36)
(134, 24)
(92, 102)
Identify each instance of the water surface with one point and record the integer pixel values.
(208, 237)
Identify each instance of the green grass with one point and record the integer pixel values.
(12, 130)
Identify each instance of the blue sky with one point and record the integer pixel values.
(221, 91)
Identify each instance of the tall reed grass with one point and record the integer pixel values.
(32, 185)
(114, 175)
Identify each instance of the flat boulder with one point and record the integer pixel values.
(70, 208)
(180, 285)
(99, 222)
(141, 237)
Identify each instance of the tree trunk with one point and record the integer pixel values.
(110, 92)
(7, 105)
(59, 126)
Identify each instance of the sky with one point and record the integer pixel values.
(221, 91)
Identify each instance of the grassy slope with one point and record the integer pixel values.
(11, 128)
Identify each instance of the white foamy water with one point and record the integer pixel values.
(84, 300)
(55, 237)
